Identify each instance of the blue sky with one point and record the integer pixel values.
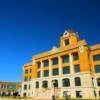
(29, 27)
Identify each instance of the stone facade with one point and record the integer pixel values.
(72, 69)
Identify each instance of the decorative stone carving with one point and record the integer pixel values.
(81, 48)
(34, 61)
(54, 49)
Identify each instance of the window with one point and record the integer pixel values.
(66, 70)
(97, 68)
(46, 73)
(65, 59)
(55, 71)
(55, 83)
(37, 84)
(75, 56)
(5, 86)
(46, 63)
(66, 42)
(26, 78)
(77, 81)
(77, 68)
(39, 64)
(24, 94)
(39, 74)
(66, 82)
(25, 87)
(45, 84)
(1, 86)
(98, 81)
(26, 71)
(55, 61)
(96, 57)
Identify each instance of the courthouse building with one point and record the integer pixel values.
(73, 68)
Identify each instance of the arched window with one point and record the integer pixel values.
(37, 84)
(24, 94)
(98, 81)
(55, 83)
(77, 81)
(45, 84)
(66, 82)
(25, 87)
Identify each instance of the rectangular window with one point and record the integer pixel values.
(96, 57)
(55, 71)
(66, 42)
(46, 63)
(26, 71)
(39, 64)
(97, 68)
(25, 87)
(26, 78)
(66, 82)
(66, 70)
(65, 59)
(39, 74)
(1, 86)
(77, 68)
(98, 81)
(75, 56)
(55, 61)
(77, 81)
(37, 84)
(46, 73)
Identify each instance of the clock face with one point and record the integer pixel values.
(66, 33)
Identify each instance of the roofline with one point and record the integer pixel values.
(48, 53)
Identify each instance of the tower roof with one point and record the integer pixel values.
(70, 32)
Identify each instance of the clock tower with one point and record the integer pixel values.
(69, 38)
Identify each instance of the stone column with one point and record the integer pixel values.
(50, 67)
(60, 66)
(41, 72)
(50, 74)
(60, 72)
(71, 64)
